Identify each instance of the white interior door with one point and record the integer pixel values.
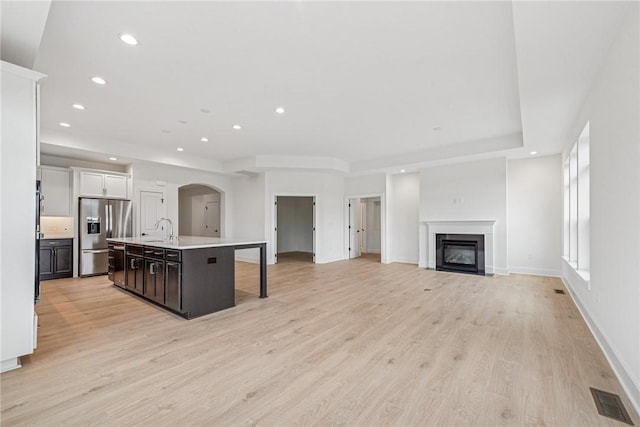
(313, 237)
(354, 228)
(275, 230)
(212, 219)
(375, 230)
(362, 218)
(152, 208)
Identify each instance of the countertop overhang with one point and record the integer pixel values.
(187, 242)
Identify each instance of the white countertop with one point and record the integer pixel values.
(187, 242)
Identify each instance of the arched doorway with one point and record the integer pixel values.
(199, 211)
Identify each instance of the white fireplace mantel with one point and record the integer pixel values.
(429, 229)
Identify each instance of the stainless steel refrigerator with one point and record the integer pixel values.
(100, 219)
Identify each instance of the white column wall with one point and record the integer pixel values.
(18, 160)
(248, 200)
(535, 215)
(404, 203)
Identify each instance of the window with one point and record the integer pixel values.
(576, 203)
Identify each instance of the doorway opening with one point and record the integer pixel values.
(199, 211)
(295, 229)
(365, 228)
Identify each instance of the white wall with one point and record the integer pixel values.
(247, 196)
(295, 224)
(168, 179)
(404, 203)
(535, 215)
(17, 213)
(611, 305)
(362, 185)
(466, 192)
(329, 190)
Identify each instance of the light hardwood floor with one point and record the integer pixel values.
(348, 343)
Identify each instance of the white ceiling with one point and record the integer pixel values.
(364, 84)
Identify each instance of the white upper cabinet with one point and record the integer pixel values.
(56, 189)
(115, 186)
(99, 184)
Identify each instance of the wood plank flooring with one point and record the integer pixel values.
(348, 343)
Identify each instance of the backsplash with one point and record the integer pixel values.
(55, 227)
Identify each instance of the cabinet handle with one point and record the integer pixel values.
(152, 268)
(133, 264)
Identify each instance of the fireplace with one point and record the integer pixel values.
(462, 253)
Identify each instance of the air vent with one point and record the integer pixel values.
(610, 405)
(559, 291)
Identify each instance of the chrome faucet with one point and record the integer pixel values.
(157, 224)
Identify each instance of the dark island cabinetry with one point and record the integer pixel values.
(134, 269)
(191, 276)
(56, 258)
(173, 280)
(154, 274)
(191, 282)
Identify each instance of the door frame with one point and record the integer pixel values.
(274, 223)
(383, 223)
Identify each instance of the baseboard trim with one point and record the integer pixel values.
(10, 364)
(406, 261)
(500, 271)
(535, 271)
(628, 384)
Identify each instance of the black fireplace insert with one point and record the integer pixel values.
(462, 253)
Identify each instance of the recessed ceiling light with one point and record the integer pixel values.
(79, 106)
(65, 125)
(204, 139)
(402, 171)
(280, 110)
(180, 149)
(165, 131)
(184, 122)
(237, 127)
(205, 110)
(98, 80)
(437, 128)
(128, 39)
(113, 158)
(533, 153)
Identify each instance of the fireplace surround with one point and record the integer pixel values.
(462, 253)
(427, 240)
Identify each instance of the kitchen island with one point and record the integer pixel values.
(191, 276)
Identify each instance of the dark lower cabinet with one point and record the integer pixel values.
(134, 280)
(190, 282)
(154, 280)
(56, 258)
(208, 280)
(173, 286)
